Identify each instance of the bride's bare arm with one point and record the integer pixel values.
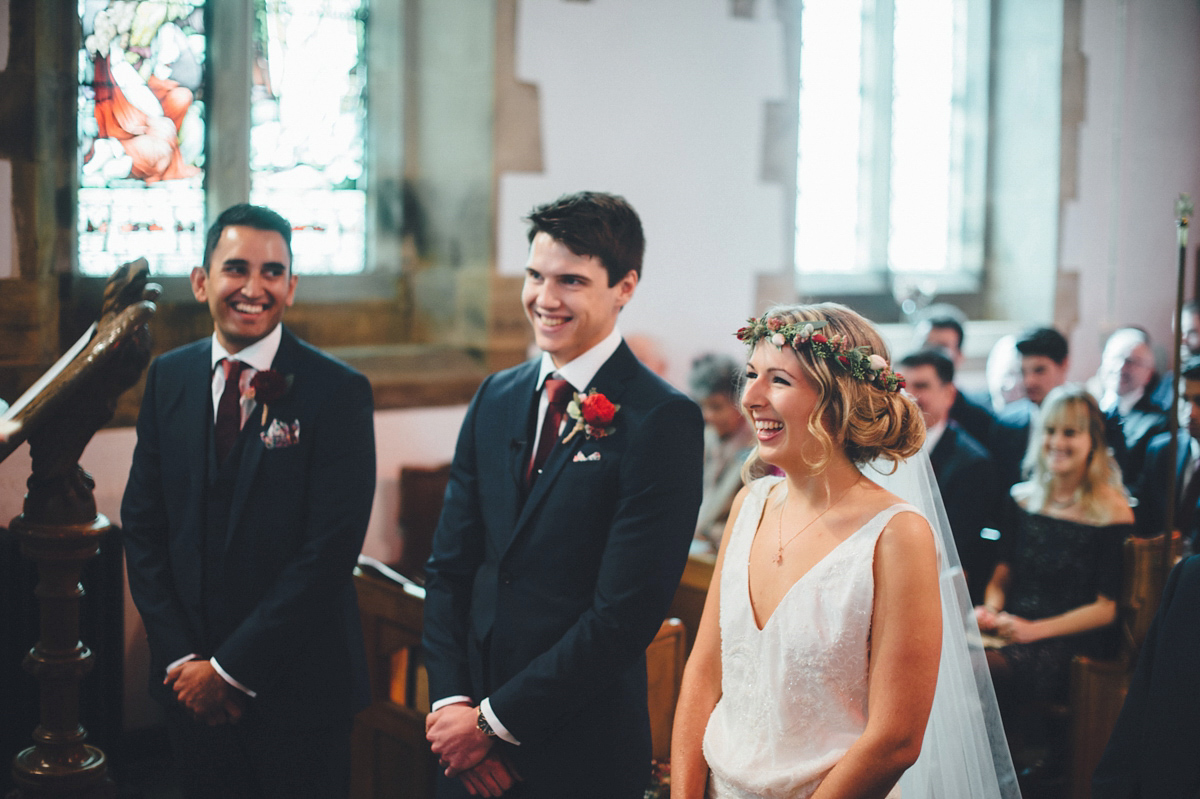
(906, 640)
(701, 687)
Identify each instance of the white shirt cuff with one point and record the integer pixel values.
(450, 700)
(177, 663)
(225, 676)
(501, 731)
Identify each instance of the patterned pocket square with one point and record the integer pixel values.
(281, 434)
(580, 457)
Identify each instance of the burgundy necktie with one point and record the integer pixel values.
(229, 409)
(559, 393)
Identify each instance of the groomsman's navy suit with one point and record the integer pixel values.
(1152, 751)
(546, 603)
(250, 561)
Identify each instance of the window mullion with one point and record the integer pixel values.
(230, 78)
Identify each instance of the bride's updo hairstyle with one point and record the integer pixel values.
(860, 406)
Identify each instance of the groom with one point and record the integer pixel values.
(563, 536)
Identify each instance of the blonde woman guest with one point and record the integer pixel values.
(1056, 585)
(828, 598)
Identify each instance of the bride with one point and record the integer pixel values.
(837, 655)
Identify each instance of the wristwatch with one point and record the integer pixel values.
(482, 723)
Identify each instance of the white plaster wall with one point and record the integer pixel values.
(1139, 148)
(661, 101)
(420, 437)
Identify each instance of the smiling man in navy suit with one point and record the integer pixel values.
(561, 543)
(244, 513)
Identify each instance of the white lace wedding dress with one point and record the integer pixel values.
(794, 694)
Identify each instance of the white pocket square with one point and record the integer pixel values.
(580, 457)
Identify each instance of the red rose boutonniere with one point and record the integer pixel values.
(593, 414)
(266, 387)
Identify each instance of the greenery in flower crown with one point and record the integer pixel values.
(859, 362)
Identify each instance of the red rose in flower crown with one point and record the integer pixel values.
(593, 414)
(267, 386)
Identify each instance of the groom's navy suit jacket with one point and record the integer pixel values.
(258, 575)
(546, 603)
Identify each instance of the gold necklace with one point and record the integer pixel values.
(778, 559)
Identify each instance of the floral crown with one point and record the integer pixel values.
(859, 362)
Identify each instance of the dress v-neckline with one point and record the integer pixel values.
(791, 588)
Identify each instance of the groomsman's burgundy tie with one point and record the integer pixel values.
(559, 393)
(229, 409)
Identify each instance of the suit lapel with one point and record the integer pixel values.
(252, 446)
(522, 415)
(196, 418)
(609, 381)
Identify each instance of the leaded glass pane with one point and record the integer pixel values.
(308, 113)
(141, 134)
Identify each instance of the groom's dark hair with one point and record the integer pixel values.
(597, 224)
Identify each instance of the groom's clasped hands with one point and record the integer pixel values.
(464, 751)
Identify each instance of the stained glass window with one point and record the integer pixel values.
(308, 113)
(141, 134)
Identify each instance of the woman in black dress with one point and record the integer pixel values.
(1054, 593)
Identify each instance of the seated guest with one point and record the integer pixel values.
(1126, 380)
(1189, 347)
(1152, 749)
(964, 470)
(1059, 572)
(1043, 368)
(1151, 487)
(946, 333)
(1003, 373)
(728, 439)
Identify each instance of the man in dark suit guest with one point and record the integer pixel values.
(1126, 382)
(1152, 751)
(1151, 488)
(964, 470)
(245, 511)
(561, 544)
(1043, 368)
(1189, 347)
(946, 333)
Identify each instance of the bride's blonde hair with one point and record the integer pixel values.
(866, 421)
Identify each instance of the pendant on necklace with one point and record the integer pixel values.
(778, 559)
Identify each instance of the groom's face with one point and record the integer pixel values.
(568, 300)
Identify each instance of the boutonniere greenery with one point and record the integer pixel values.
(593, 414)
(266, 387)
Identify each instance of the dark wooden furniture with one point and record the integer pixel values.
(688, 604)
(391, 757)
(1098, 686)
(422, 489)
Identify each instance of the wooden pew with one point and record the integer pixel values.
(390, 755)
(688, 604)
(1098, 686)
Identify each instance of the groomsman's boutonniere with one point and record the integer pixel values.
(266, 387)
(593, 414)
